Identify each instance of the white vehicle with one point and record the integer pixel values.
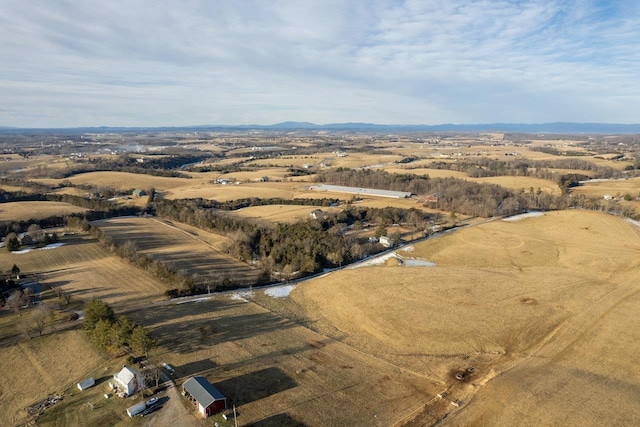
(151, 402)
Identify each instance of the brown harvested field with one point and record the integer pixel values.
(214, 148)
(288, 161)
(285, 190)
(180, 245)
(518, 183)
(122, 180)
(22, 211)
(17, 163)
(617, 188)
(270, 173)
(383, 202)
(433, 173)
(557, 287)
(605, 162)
(359, 160)
(87, 270)
(545, 297)
(351, 160)
(280, 213)
(6, 187)
(35, 368)
(275, 369)
(512, 182)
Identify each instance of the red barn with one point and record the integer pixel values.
(205, 396)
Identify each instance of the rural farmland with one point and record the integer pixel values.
(425, 308)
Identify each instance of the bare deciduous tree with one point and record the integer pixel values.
(17, 300)
(39, 317)
(35, 232)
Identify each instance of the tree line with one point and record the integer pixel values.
(304, 247)
(454, 195)
(487, 167)
(111, 333)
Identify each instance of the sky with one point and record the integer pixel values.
(207, 62)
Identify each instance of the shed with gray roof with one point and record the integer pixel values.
(361, 191)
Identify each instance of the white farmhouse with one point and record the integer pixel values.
(386, 241)
(128, 381)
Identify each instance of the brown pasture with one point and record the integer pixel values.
(280, 213)
(542, 301)
(286, 190)
(85, 269)
(539, 301)
(122, 180)
(22, 211)
(616, 188)
(276, 368)
(272, 174)
(40, 366)
(181, 246)
(515, 183)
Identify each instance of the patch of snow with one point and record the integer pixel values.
(418, 263)
(197, 300)
(634, 222)
(53, 246)
(601, 180)
(242, 295)
(22, 251)
(80, 314)
(531, 214)
(408, 248)
(279, 291)
(379, 260)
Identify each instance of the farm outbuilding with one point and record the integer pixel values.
(85, 384)
(362, 191)
(134, 410)
(206, 397)
(386, 241)
(319, 214)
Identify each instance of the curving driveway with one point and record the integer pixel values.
(173, 412)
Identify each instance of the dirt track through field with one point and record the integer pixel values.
(36, 364)
(576, 328)
(186, 233)
(173, 412)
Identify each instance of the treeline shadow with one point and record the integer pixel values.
(279, 420)
(256, 385)
(185, 336)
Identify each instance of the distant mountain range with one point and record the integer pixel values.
(557, 128)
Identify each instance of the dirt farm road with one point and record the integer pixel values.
(173, 412)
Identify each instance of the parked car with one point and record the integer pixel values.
(151, 402)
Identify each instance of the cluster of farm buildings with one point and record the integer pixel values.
(207, 399)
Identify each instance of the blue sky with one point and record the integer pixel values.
(189, 62)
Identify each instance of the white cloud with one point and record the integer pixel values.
(200, 62)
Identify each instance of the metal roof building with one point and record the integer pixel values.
(207, 398)
(363, 191)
